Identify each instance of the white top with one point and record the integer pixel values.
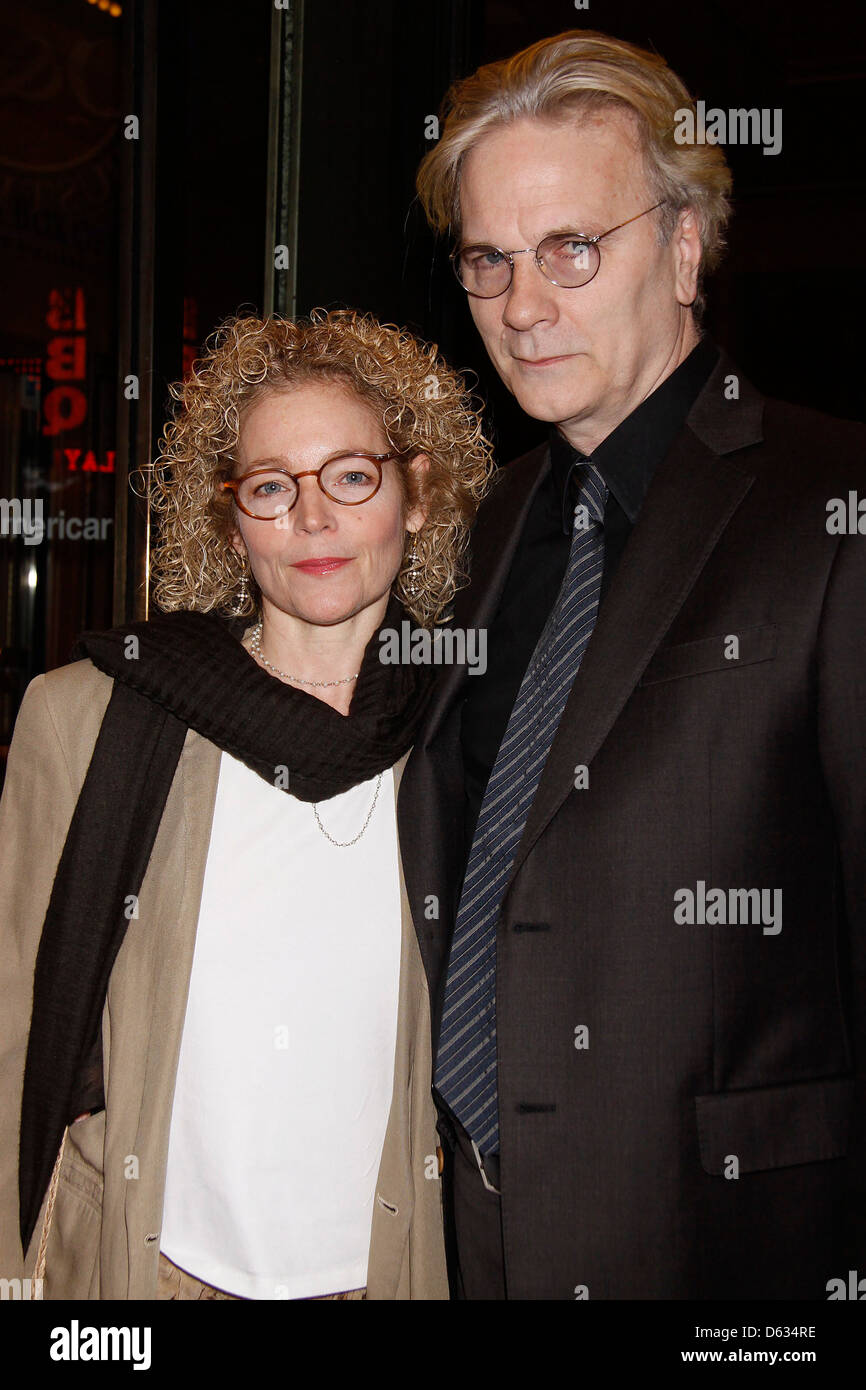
(287, 1056)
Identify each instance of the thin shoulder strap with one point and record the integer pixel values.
(104, 860)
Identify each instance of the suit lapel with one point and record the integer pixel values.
(430, 805)
(722, 424)
(692, 497)
(494, 542)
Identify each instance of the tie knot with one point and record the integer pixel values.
(592, 494)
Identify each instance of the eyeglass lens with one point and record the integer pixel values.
(567, 260)
(346, 480)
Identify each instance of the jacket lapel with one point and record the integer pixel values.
(493, 547)
(430, 805)
(692, 497)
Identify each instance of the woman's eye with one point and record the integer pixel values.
(355, 478)
(269, 487)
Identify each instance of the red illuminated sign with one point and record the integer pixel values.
(65, 405)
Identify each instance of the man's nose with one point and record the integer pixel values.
(529, 299)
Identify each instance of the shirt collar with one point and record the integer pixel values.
(629, 456)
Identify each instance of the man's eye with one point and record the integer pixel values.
(572, 249)
(484, 258)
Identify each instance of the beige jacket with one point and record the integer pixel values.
(103, 1241)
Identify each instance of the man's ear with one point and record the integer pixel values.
(415, 518)
(686, 244)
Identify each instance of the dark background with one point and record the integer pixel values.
(788, 302)
(305, 126)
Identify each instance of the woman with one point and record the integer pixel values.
(222, 1060)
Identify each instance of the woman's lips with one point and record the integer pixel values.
(325, 564)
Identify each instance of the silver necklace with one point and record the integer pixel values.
(256, 649)
(344, 844)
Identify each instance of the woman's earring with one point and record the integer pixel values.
(412, 578)
(242, 598)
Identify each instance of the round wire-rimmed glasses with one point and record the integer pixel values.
(567, 259)
(349, 478)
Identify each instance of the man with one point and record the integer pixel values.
(645, 931)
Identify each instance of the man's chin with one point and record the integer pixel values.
(550, 407)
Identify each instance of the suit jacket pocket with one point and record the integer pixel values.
(711, 654)
(775, 1126)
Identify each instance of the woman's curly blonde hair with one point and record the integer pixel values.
(424, 407)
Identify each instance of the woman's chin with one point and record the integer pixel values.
(324, 610)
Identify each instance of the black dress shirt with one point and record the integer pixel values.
(626, 460)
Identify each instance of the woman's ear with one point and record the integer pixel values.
(237, 543)
(416, 517)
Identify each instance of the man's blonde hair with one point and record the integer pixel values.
(582, 73)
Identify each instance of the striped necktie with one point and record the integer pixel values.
(466, 1060)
